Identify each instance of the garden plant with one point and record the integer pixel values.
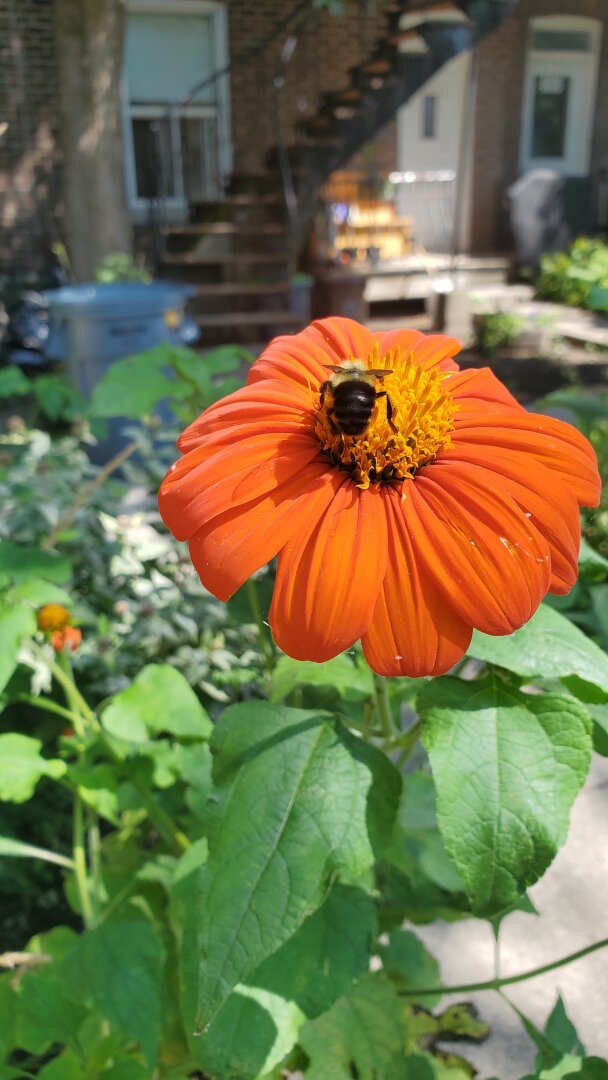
(235, 777)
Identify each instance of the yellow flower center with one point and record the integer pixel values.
(53, 617)
(391, 448)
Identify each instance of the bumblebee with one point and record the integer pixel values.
(353, 396)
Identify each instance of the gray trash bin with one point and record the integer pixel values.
(91, 326)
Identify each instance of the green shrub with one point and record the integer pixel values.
(497, 330)
(573, 276)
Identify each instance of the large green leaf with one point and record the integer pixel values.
(341, 673)
(16, 623)
(549, 646)
(121, 965)
(22, 766)
(19, 563)
(410, 965)
(134, 386)
(362, 1035)
(159, 699)
(417, 847)
(300, 804)
(507, 767)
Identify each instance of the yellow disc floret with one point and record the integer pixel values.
(392, 448)
(53, 617)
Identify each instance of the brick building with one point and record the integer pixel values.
(535, 92)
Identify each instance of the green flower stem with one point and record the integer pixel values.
(173, 837)
(62, 670)
(405, 742)
(509, 980)
(366, 730)
(94, 838)
(80, 862)
(258, 618)
(383, 708)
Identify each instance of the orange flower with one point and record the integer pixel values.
(68, 638)
(460, 511)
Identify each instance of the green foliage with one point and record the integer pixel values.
(118, 266)
(225, 840)
(575, 276)
(497, 330)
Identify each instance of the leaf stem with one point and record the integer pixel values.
(167, 828)
(382, 704)
(508, 980)
(51, 706)
(80, 862)
(258, 617)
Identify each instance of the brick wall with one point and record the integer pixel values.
(29, 156)
(327, 46)
(500, 75)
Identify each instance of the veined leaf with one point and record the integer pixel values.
(300, 804)
(549, 646)
(507, 767)
(159, 699)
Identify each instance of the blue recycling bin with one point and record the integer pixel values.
(91, 326)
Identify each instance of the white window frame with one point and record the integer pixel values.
(549, 61)
(176, 208)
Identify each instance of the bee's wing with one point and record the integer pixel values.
(379, 373)
(333, 367)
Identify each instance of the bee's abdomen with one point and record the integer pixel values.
(352, 406)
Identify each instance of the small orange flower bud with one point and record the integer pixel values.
(70, 638)
(53, 617)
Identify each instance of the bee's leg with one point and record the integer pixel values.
(336, 430)
(322, 392)
(389, 408)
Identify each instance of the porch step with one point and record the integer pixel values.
(235, 288)
(222, 258)
(246, 319)
(223, 228)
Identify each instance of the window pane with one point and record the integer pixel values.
(561, 40)
(549, 118)
(199, 157)
(154, 169)
(428, 117)
(166, 55)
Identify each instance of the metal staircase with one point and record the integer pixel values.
(239, 252)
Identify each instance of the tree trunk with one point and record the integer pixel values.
(90, 46)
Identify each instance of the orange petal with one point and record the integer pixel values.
(414, 630)
(482, 385)
(436, 351)
(203, 484)
(328, 577)
(557, 445)
(551, 507)
(282, 405)
(229, 549)
(489, 560)
(345, 339)
(301, 359)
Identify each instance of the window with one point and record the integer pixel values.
(550, 111)
(179, 153)
(561, 40)
(429, 116)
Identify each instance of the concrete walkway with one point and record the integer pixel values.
(572, 899)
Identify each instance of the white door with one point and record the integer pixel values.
(559, 95)
(429, 132)
(170, 48)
